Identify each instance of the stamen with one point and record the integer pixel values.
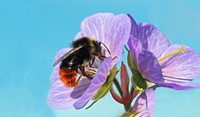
(180, 50)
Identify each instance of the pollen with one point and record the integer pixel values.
(180, 50)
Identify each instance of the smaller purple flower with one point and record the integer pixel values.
(171, 66)
(145, 104)
(107, 28)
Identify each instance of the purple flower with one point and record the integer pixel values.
(145, 104)
(171, 66)
(113, 31)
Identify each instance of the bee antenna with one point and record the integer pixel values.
(105, 47)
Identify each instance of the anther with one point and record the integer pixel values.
(180, 50)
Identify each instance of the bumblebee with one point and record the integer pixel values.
(83, 53)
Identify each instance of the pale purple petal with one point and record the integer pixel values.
(152, 39)
(177, 84)
(96, 83)
(112, 30)
(55, 75)
(78, 91)
(182, 66)
(135, 47)
(145, 103)
(61, 97)
(149, 66)
(134, 27)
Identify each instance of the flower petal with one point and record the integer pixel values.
(134, 26)
(145, 103)
(112, 30)
(96, 83)
(149, 66)
(182, 66)
(135, 47)
(78, 91)
(55, 75)
(61, 97)
(177, 84)
(152, 39)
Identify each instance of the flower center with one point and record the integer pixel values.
(180, 50)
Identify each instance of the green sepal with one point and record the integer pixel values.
(91, 105)
(139, 81)
(132, 63)
(103, 90)
(113, 72)
(107, 85)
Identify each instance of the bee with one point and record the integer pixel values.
(83, 53)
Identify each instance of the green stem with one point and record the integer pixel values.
(132, 91)
(127, 106)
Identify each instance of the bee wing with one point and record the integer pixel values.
(66, 55)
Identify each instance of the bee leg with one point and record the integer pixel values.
(114, 58)
(99, 55)
(90, 64)
(105, 47)
(82, 69)
(102, 57)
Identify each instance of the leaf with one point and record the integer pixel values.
(132, 63)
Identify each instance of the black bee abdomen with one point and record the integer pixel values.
(75, 59)
(70, 62)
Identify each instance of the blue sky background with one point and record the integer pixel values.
(32, 31)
